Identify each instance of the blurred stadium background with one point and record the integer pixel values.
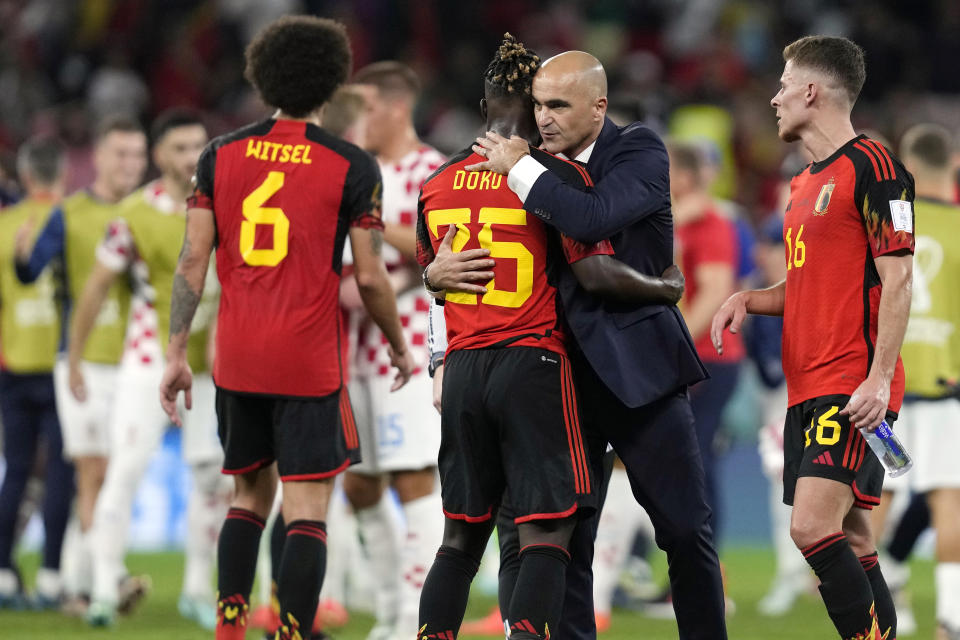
(694, 69)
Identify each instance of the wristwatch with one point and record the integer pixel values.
(436, 361)
(426, 282)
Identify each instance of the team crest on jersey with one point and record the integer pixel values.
(823, 200)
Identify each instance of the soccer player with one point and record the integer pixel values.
(71, 235)
(142, 244)
(930, 418)
(638, 403)
(849, 241)
(29, 333)
(399, 432)
(279, 197)
(504, 336)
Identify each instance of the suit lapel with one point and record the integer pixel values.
(607, 134)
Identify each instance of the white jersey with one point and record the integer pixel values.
(401, 192)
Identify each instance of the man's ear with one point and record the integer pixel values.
(811, 94)
(483, 108)
(600, 108)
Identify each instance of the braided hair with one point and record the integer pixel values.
(511, 71)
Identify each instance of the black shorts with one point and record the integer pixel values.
(310, 438)
(509, 421)
(819, 442)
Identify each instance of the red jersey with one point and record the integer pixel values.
(711, 238)
(520, 307)
(284, 194)
(844, 212)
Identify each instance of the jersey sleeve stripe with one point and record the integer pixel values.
(883, 156)
(873, 159)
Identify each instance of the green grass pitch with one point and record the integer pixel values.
(748, 574)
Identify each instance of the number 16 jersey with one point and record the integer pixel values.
(284, 194)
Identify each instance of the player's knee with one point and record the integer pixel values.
(555, 533)
(468, 537)
(362, 491)
(805, 531)
(412, 485)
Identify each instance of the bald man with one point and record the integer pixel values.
(633, 364)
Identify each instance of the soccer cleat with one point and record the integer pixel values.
(602, 621)
(330, 613)
(265, 617)
(101, 614)
(380, 632)
(202, 612)
(75, 606)
(131, 591)
(489, 625)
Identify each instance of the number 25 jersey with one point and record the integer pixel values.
(520, 307)
(284, 194)
(844, 212)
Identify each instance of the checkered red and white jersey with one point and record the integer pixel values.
(401, 190)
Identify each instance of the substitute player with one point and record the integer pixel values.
(399, 432)
(29, 333)
(279, 197)
(71, 235)
(142, 244)
(930, 419)
(849, 241)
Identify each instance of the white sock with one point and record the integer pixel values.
(618, 525)
(341, 526)
(209, 500)
(380, 534)
(424, 519)
(8, 582)
(947, 578)
(71, 559)
(48, 583)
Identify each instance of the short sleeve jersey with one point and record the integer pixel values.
(844, 212)
(710, 239)
(284, 194)
(521, 306)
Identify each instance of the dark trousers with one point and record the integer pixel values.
(658, 446)
(708, 399)
(28, 411)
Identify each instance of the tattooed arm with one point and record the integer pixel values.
(187, 291)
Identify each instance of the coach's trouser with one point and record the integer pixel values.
(28, 413)
(658, 446)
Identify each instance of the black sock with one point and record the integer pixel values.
(914, 521)
(883, 601)
(443, 600)
(278, 536)
(236, 568)
(843, 584)
(301, 576)
(538, 597)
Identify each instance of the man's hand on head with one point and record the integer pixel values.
(501, 153)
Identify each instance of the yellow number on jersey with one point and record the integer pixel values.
(796, 249)
(255, 213)
(459, 217)
(489, 216)
(495, 215)
(823, 423)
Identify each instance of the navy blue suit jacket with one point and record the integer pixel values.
(641, 353)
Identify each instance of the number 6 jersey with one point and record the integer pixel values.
(520, 307)
(284, 194)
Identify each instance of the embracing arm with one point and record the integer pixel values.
(606, 277)
(635, 185)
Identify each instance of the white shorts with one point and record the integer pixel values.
(85, 425)
(398, 431)
(930, 432)
(139, 421)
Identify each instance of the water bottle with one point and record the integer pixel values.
(886, 445)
